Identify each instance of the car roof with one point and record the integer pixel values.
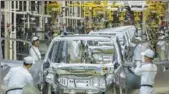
(81, 37)
(116, 29)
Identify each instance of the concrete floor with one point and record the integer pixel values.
(158, 91)
(28, 90)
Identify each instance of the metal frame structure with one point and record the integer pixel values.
(0, 46)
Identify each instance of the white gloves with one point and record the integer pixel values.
(138, 63)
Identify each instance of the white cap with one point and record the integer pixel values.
(35, 38)
(28, 60)
(138, 38)
(149, 53)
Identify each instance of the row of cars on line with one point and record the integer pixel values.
(90, 63)
(98, 63)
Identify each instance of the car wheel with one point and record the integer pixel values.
(116, 90)
(47, 88)
(124, 91)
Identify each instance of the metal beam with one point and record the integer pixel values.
(82, 0)
(14, 33)
(23, 12)
(0, 48)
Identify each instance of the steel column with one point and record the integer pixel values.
(14, 32)
(27, 10)
(0, 47)
(10, 30)
(7, 28)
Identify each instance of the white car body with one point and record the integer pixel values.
(83, 76)
(125, 34)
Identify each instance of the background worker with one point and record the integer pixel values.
(147, 71)
(162, 47)
(137, 51)
(34, 50)
(19, 77)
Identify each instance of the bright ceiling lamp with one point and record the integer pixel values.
(136, 3)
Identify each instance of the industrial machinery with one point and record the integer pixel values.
(154, 15)
(55, 9)
(98, 13)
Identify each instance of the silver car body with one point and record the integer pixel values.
(124, 33)
(80, 76)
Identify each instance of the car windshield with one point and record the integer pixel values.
(80, 51)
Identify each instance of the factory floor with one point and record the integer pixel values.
(162, 90)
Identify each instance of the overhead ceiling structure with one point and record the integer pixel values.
(137, 5)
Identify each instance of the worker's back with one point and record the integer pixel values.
(18, 77)
(149, 73)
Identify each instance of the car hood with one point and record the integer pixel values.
(82, 69)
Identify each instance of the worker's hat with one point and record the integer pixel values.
(35, 38)
(28, 60)
(138, 38)
(148, 53)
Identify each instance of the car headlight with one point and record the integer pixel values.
(96, 82)
(109, 79)
(50, 78)
(122, 75)
(102, 82)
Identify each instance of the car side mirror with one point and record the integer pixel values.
(46, 64)
(116, 65)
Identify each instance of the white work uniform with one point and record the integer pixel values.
(74, 51)
(162, 44)
(18, 78)
(35, 53)
(147, 72)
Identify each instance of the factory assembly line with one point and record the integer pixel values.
(84, 47)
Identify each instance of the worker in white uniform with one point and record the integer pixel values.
(137, 51)
(34, 50)
(147, 71)
(19, 77)
(162, 47)
(75, 51)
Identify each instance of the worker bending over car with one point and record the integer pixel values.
(19, 77)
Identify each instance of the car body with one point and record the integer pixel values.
(78, 73)
(124, 33)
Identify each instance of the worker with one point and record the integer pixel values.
(147, 71)
(19, 77)
(34, 50)
(161, 47)
(137, 51)
(56, 33)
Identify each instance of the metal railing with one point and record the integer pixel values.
(22, 47)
